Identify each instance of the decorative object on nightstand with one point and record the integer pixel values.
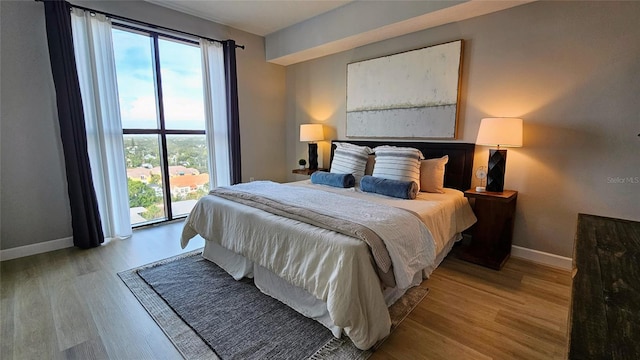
(312, 133)
(302, 163)
(481, 174)
(506, 132)
(491, 235)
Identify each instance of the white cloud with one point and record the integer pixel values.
(176, 109)
(140, 109)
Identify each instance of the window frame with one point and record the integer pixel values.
(161, 131)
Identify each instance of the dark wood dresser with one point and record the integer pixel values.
(604, 320)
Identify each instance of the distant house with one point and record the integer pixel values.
(177, 170)
(139, 174)
(183, 185)
(143, 174)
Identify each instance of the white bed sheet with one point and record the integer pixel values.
(351, 290)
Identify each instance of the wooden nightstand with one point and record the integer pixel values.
(306, 171)
(491, 236)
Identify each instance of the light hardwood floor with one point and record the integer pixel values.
(70, 304)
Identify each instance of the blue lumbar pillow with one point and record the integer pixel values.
(395, 188)
(333, 179)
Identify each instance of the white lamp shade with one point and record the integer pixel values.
(311, 132)
(505, 132)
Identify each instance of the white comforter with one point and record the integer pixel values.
(333, 267)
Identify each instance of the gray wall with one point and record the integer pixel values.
(34, 206)
(569, 69)
(34, 200)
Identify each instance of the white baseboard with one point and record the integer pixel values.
(543, 258)
(33, 249)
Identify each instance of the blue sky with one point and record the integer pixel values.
(181, 73)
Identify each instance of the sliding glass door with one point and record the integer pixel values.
(160, 94)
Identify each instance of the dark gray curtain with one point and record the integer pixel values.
(85, 218)
(233, 121)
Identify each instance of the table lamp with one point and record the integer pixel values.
(312, 133)
(505, 132)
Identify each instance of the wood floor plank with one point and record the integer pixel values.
(84, 311)
(73, 322)
(551, 292)
(34, 329)
(482, 332)
(90, 349)
(73, 326)
(467, 329)
(555, 275)
(411, 340)
(512, 296)
(7, 311)
(120, 320)
(498, 314)
(543, 334)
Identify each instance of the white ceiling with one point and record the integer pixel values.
(260, 17)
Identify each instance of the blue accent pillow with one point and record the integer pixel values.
(333, 179)
(394, 188)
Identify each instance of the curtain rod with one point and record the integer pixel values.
(118, 17)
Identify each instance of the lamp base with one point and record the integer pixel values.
(313, 156)
(496, 169)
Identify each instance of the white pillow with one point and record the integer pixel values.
(397, 163)
(350, 159)
(432, 174)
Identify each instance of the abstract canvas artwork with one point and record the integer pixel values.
(413, 94)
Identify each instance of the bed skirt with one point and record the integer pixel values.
(295, 297)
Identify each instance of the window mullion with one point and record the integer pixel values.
(163, 137)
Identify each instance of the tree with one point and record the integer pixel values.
(195, 195)
(140, 194)
(155, 179)
(153, 212)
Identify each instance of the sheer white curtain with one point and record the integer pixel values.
(98, 85)
(215, 102)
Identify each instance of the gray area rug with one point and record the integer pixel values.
(209, 315)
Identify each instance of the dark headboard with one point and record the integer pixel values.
(458, 170)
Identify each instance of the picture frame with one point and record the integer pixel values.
(413, 94)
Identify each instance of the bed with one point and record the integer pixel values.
(338, 277)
